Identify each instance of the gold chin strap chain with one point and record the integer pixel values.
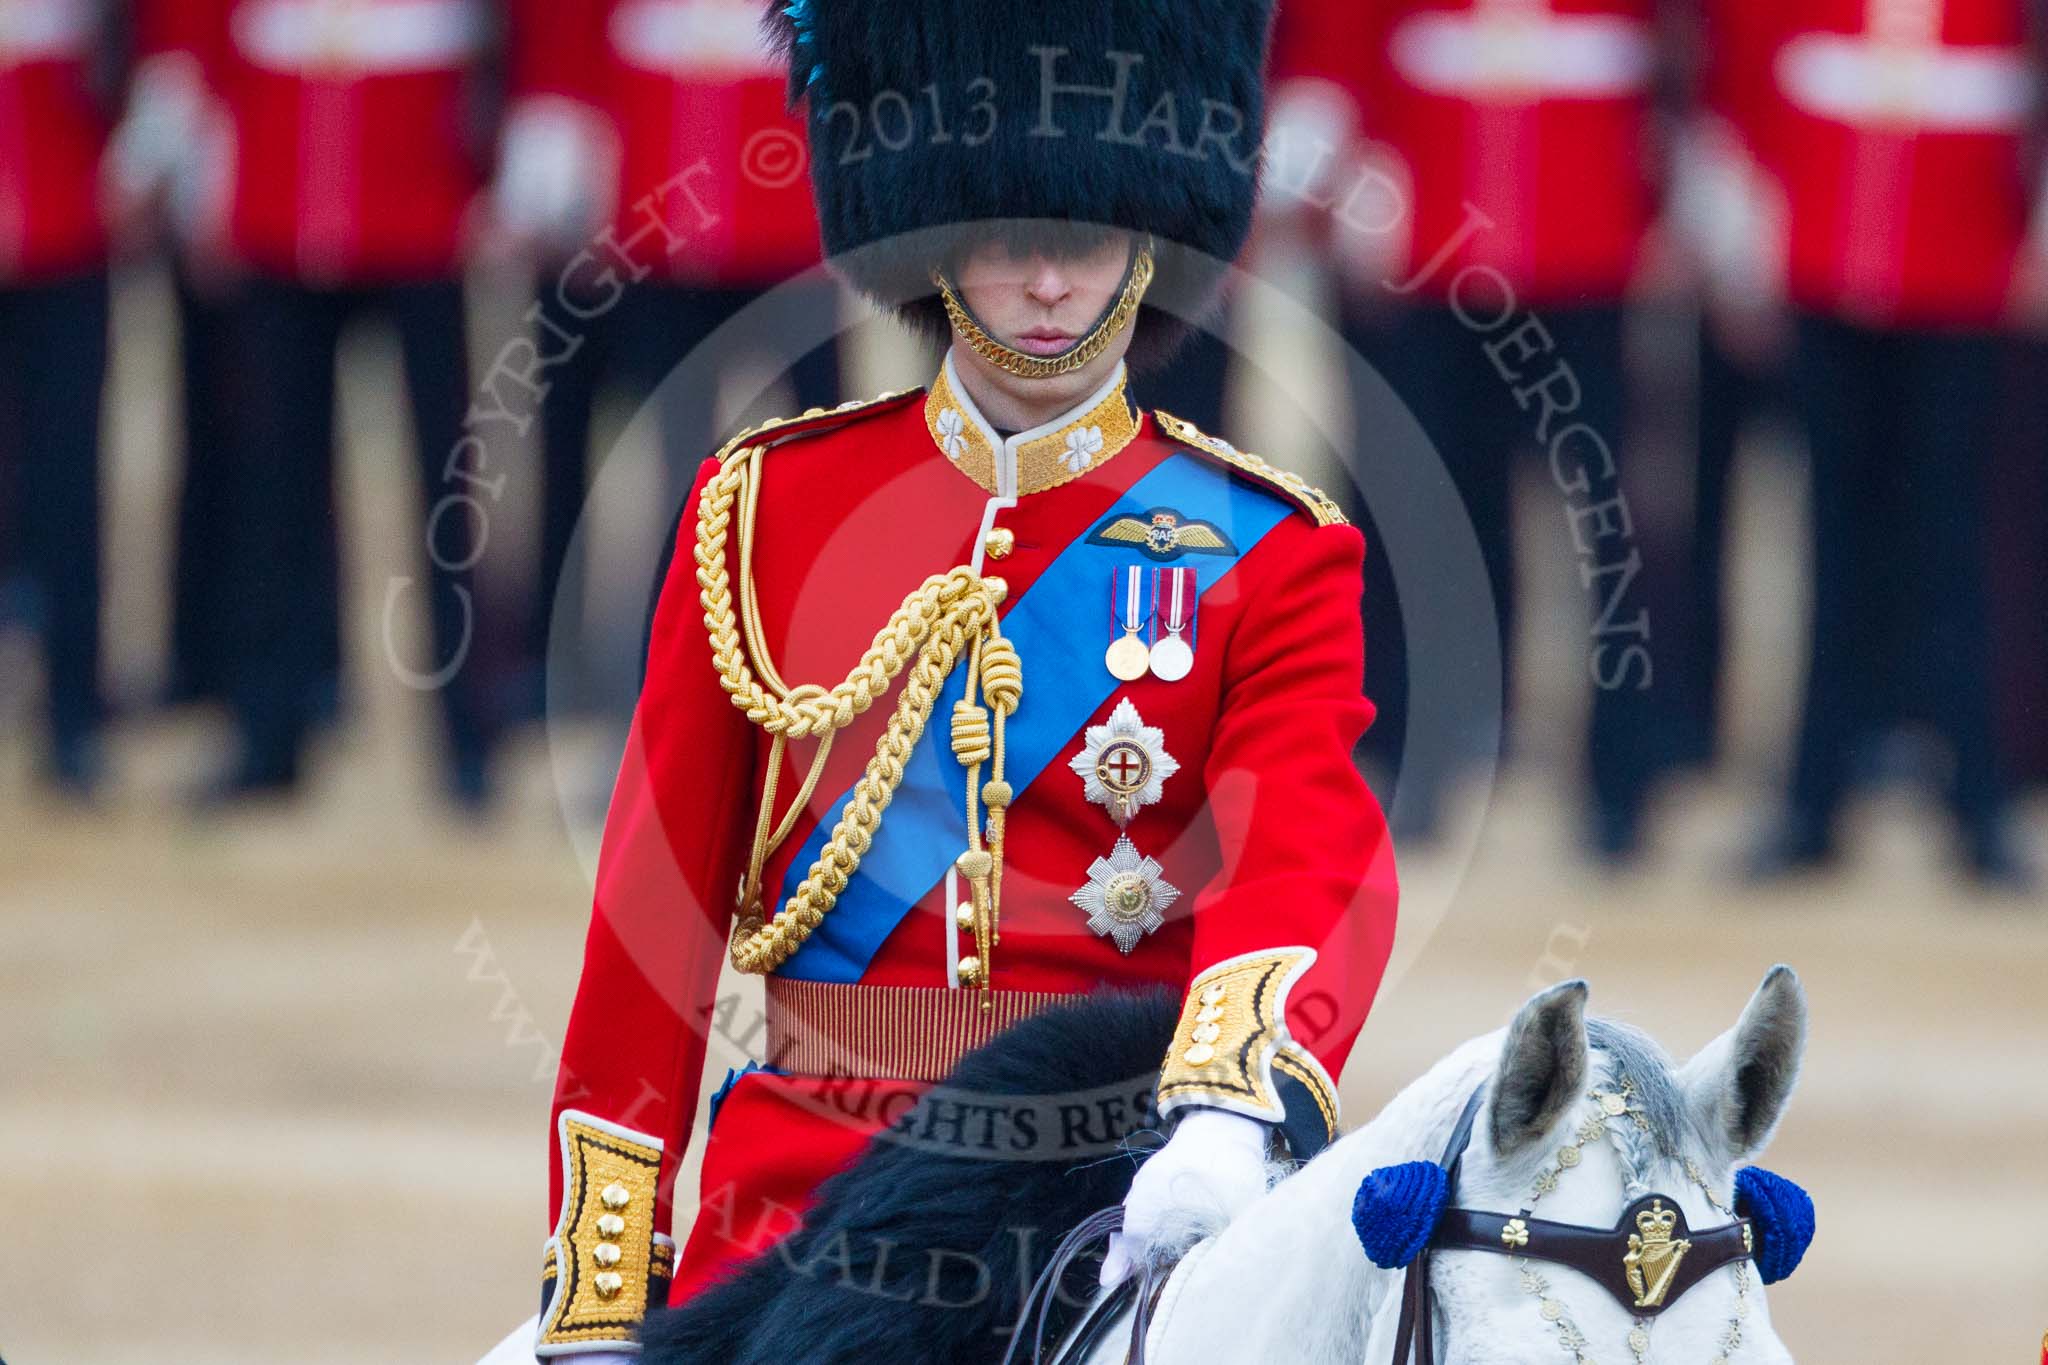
(1028, 366)
(949, 615)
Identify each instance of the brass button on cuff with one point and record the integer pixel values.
(603, 1248)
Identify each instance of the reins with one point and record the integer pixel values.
(1418, 1300)
(1139, 1292)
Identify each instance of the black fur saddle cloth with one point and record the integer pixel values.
(925, 1248)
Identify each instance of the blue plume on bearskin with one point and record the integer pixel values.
(887, 1263)
(1781, 1216)
(803, 46)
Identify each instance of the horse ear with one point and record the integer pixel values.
(1542, 1068)
(1738, 1085)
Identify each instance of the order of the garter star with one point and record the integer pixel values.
(1124, 763)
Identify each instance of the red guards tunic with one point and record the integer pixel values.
(1523, 128)
(355, 157)
(1263, 825)
(713, 174)
(1897, 132)
(52, 133)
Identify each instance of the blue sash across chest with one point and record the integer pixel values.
(1058, 628)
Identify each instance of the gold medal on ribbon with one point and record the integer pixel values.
(1127, 657)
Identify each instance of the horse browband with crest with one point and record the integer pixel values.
(1646, 1261)
(1646, 1269)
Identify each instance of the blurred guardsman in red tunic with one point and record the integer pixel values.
(1091, 677)
(1898, 134)
(654, 131)
(1487, 196)
(169, 156)
(53, 333)
(347, 160)
(1716, 186)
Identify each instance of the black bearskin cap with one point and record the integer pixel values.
(927, 117)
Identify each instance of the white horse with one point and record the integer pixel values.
(1571, 1122)
(1286, 1280)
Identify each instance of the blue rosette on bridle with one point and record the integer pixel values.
(1780, 1215)
(1396, 1211)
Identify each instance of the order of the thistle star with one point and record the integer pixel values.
(1125, 896)
(1123, 763)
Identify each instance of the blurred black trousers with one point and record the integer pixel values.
(280, 510)
(214, 397)
(1898, 427)
(638, 342)
(1730, 394)
(53, 365)
(1439, 366)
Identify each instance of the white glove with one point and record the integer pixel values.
(555, 168)
(1208, 1171)
(1728, 213)
(517, 1349)
(172, 153)
(152, 147)
(1311, 126)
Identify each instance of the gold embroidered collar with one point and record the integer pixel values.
(1047, 455)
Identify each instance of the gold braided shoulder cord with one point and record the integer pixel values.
(948, 615)
(1318, 503)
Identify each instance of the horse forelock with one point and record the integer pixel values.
(1628, 1054)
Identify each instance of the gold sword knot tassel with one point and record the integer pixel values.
(973, 740)
(997, 674)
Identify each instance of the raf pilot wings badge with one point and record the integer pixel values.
(1162, 533)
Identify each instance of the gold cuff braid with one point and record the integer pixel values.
(1232, 1038)
(604, 1252)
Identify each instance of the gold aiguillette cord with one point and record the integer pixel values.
(947, 615)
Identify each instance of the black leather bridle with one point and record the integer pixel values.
(1597, 1253)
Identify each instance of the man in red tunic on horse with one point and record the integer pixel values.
(985, 696)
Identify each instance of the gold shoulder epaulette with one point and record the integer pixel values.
(810, 419)
(1311, 499)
